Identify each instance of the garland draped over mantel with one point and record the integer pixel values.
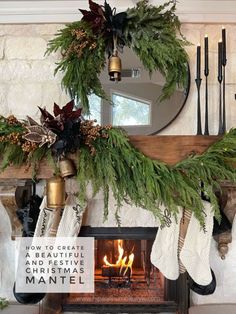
(105, 157)
(152, 32)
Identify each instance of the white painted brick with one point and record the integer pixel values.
(24, 99)
(29, 48)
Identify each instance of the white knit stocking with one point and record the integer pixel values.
(44, 221)
(164, 249)
(195, 252)
(71, 219)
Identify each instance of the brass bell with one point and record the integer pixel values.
(114, 67)
(67, 168)
(55, 192)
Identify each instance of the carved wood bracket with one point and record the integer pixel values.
(14, 194)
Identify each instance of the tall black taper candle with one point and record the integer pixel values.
(224, 58)
(220, 61)
(198, 83)
(206, 69)
(198, 73)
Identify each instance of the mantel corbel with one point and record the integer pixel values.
(14, 194)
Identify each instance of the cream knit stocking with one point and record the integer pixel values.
(164, 249)
(71, 219)
(195, 252)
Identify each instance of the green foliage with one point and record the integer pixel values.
(6, 129)
(12, 155)
(80, 73)
(3, 303)
(135, 178)
(152, 34)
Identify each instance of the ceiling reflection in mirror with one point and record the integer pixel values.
(136, 106)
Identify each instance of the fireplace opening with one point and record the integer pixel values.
(125, 279)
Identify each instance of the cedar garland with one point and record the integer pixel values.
(152, 32)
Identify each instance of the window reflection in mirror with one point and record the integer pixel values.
(136, 106)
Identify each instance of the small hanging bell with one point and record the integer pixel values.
(114, 67)
(55, 192)
(67, 168)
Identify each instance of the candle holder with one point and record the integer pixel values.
(199, 122)
(223, 103)
(206, 131)
(221, 130)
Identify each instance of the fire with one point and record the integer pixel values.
(122, 261)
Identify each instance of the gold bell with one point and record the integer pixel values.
(55, 192)
(114, 67)
(67, 168)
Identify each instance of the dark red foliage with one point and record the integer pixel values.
(95, 17)
(62, 116)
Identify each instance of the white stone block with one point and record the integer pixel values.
(48, 29)
(25, 48)
(24, 99)
(50, 93)
(2, 40)
(18, 30)
(3, 99)
(43, 71)
(15, 70)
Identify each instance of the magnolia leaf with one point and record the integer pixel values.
(46, 116)
(33, 137)
(31, 121)
(37, 129)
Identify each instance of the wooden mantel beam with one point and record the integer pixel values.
(170, 149)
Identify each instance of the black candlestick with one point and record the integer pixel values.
(221, 131)
(206, 73)
(199, 123)
(224, 61)
(223, 100)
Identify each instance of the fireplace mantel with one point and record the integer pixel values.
(168, 148)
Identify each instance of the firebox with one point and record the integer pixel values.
(125, 279)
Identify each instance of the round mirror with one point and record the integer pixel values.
(136, 106)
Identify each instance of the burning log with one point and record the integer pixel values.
(115, 271)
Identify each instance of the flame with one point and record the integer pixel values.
(121, 261)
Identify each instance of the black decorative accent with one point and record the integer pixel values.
(206, 131)
(220, 131)
(122, 308)
(199, 123)
(119, 233)
(223, 100)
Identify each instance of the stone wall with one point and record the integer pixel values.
(27, 81)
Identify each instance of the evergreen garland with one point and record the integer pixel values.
(106, 159)
(136, 179)
(153, 33)
(80, 71)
